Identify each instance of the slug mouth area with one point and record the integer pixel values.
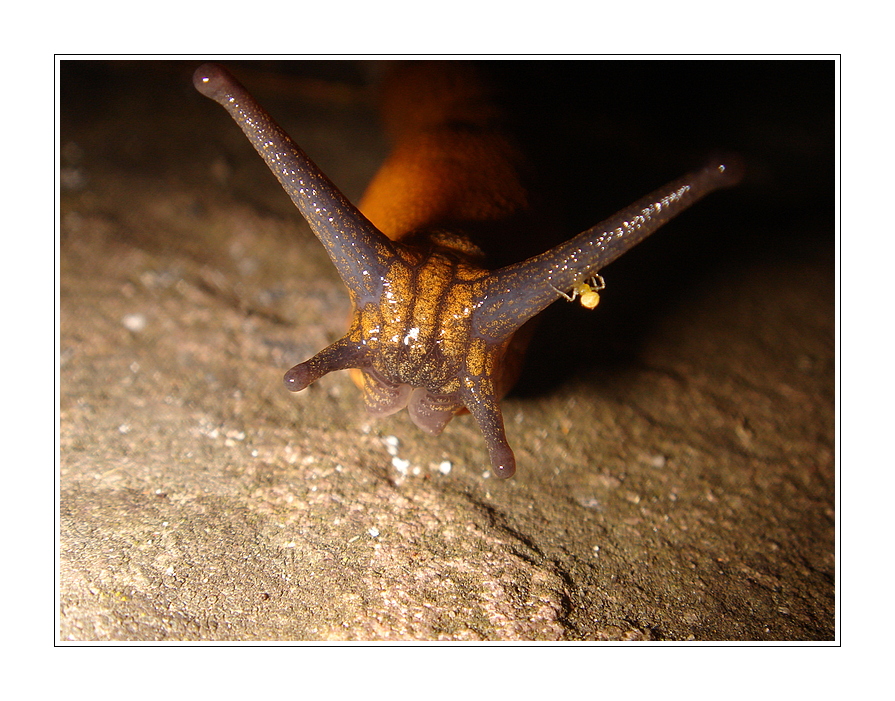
(430, 412)
(383, 397)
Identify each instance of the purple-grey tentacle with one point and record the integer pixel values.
(516, 293)
(358, 249)
(341, 355)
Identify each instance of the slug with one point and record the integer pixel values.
(433, 329)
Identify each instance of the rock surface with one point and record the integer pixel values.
(675, 446)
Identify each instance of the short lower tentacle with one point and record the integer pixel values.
(478, 396)
(340, 355)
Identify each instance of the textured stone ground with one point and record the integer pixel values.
(675, 446)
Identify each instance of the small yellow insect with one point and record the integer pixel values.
(588, 291)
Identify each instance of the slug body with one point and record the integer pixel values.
(433, 328)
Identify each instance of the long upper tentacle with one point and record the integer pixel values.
(359, 251)
(514, 294)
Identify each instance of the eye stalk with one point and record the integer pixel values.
(360, 252)
(517, 293)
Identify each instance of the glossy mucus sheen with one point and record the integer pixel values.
(432, 327)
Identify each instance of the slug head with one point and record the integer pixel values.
(432, 329)
(414, 347)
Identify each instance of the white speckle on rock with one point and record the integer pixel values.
(391, 444)
(134, 322)
(658, 461)
(400, 465)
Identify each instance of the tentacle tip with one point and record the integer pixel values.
(210, 79)
(729, 168)
(297, 378)
(504, 465)
(504, 471)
